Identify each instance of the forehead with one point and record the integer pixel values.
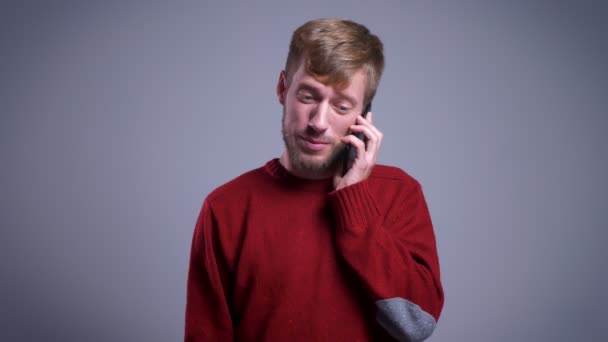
(355, 88)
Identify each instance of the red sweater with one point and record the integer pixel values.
(279, 258)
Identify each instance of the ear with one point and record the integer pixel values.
(281, 87)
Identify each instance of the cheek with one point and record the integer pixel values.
(342, 126)
(293, 122)
(296, 116)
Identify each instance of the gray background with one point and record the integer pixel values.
(117, 118)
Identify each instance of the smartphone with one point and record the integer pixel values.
(349, 151)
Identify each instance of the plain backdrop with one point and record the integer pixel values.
(119, 117)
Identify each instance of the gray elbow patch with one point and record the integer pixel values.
(404, 320)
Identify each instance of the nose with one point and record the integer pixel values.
(319, 118)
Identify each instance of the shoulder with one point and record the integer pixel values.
(396, 189)
(238, 187)
(391, 174)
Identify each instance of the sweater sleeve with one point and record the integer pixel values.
(389, 243)
(207, 312)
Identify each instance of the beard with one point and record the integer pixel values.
(309, 165)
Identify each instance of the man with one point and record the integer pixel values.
(298, 250)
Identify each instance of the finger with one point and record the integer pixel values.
(367, 123)
(360, 120)
(338, 175)
(375, 143)
(374, 139)
(357, 143)
(353, 140)
(369, 132)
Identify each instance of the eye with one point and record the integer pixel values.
(343, 108)
(306, 97)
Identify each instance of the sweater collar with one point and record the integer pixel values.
(276, 170)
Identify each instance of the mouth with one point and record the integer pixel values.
(313, 145)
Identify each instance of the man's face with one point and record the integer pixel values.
(315, 116)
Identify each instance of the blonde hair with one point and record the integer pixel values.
(334, 50)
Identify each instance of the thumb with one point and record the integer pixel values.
(338, 171)
(337, 177)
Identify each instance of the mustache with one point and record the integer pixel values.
(311, 134)
(316, 138)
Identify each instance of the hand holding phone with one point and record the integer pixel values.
(350, 152)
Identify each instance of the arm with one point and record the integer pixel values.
(389, 243)
(207, 312)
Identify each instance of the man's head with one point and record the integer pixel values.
(332, 71)
(333, 50)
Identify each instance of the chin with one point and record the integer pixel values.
(315, 162)
(315, 165)
(311, 164)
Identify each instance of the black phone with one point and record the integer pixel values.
(349, 151)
